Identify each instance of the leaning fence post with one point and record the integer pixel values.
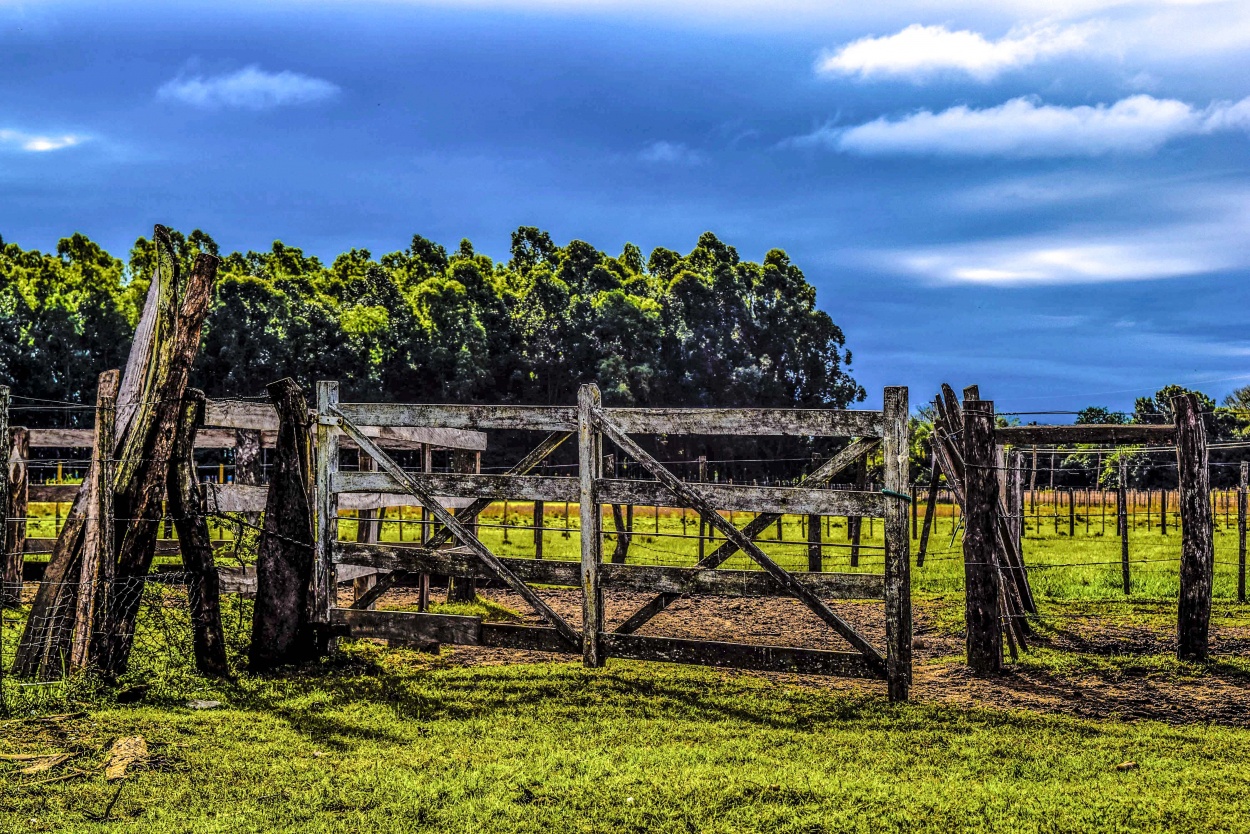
(1241, 531)
(981, 606)
(327, 505)
(898, 626)
(1197, 553)
(590, 463)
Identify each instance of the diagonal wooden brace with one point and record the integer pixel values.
(540, 453)
(458, 529)
(752, 530)
(692, 499)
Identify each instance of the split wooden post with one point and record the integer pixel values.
(1197, 550)
(10, 591)
(898, 625)
(1122, 510)
(98, 536)
(982, 606)
(590, 457)
(327, 509)
(204, 592)
(1241, 530)
(18, 509)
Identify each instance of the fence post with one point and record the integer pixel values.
(702, 518)
(6, 592)
(930, 508)
(814, 550)
(1197, 553)
(327, 504)
(981, 606)
(1241, 531)
(18, 492)
(590, 460)
(1122, 517)
(898, 626)
(1163, 512)
(538, 521)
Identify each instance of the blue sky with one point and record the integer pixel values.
(1049, 199)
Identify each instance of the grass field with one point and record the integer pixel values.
(392, 740)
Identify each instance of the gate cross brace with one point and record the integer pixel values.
(458, 530)
(550, 443)
(752, 530)
(696, 502)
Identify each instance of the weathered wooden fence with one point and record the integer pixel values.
(457, 551)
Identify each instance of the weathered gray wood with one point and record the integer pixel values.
(98, 535)
(739, 656)
(241, 414)
(248, 465)
(407, 627)
(1193, 620)
(367, 525)
(493, 487)
(13, 539)
(896, 448)
(536, 456)
(772, 500)
(203, 590)
(689, 498)
(461, 533)
(590, 470)
(326, 512)
(731, 421)
(1242, 485)
(661, 578)
(821, 477)
(1085, 433)
(982, 607)
(294, 587)
(234, 498)
(530, 638)
(144, 455)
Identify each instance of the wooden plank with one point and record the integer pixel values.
(896, 448)
(777, 500)
(326, 509)
(1092, 433)
(241, 414)
(822, 476)
(732, 421)
(407, 627)
(656, 578)
(510, 417)
(686, 496)
(739, 656)
(397, 437)
(462, 534)
(529, 638)
(748, 421)
(590, 470)
(240, 498)
(1193, 621)
(493, 487)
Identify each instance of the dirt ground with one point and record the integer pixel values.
(1216, 695)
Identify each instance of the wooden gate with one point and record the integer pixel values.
(458, 551)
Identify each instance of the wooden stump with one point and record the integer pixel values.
(282, 630)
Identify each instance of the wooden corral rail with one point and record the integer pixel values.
(458, 550)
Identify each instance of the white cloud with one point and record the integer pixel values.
(919, 52)
(1023, 127)
(670, 153)
(250, 88)
(36, 143)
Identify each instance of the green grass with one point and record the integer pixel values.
(385, 740)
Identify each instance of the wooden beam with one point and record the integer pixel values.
(493, 487)
(407, 627)
(739, 656)
(773, 500)
(1092, 433)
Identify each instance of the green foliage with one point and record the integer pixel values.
(422, 325)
